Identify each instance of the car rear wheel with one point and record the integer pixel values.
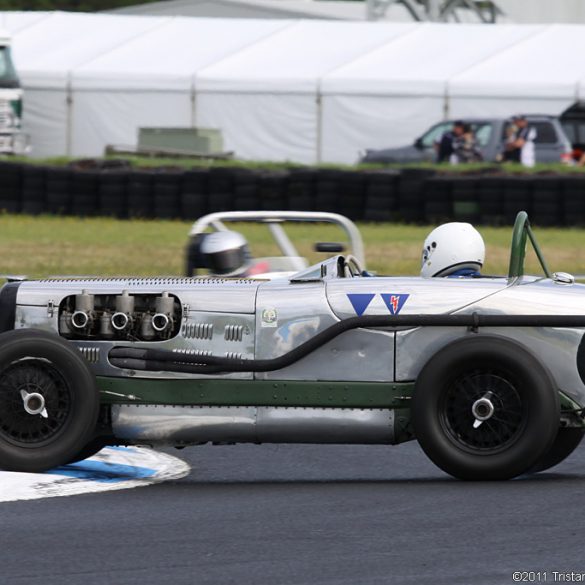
(567, 440)
(49, 401)
(485, 409)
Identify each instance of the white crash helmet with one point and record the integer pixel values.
(225, 252)
(451, 247)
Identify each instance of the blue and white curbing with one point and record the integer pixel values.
(113, 468)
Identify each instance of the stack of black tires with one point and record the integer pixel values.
(411, 195)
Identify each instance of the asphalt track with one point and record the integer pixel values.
(285, 514)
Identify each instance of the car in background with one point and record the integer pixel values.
(573, 121)
(551, 144)
(289, 261)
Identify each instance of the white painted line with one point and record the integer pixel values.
(113, 468)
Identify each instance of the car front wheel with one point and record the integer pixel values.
(485, 409)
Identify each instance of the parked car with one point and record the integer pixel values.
(573, 121)
(488, 374)
(551, 144)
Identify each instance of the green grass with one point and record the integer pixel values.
(43, 246)
(188, 163)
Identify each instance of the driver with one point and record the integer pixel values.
(453, 249)
(225, 253)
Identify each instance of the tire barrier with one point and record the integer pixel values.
(410, 195)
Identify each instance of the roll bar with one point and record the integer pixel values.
(275, 218)
(521, 234)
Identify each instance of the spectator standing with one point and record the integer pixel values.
(508, 153)
(520, 148)
(446, 146)
(465, 147)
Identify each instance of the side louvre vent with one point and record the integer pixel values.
(91, 354)
(198, 330)
(197, 352)
(234, 332)
(201, 352)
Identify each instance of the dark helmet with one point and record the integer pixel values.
(225, 252)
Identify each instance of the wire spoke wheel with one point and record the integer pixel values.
(485, 409)
(497, 431)
(49, 402)
(36, 377)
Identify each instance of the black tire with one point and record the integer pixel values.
(525, 415)
(41, 363)
(91, 449)
(566, 442)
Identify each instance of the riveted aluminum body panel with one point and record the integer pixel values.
(177, 425)
(200, 294)
(36, 317)
(290, 314)
(425, 296)
(326, 425)
(357, 355)
(213, 343)
(217, 317)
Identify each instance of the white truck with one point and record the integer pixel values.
(12, 140)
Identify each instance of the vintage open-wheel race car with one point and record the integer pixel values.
(488, 374)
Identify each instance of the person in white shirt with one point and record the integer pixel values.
(521, 147)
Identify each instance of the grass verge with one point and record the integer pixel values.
(47, 245)
(189, 163)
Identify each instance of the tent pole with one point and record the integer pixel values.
(69, 117)
(193, 98)
(319, 104)
(446, 104)
(434, 10)
(371, 10)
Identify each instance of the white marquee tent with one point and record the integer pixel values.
(304, 91)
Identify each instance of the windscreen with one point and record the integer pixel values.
(8, 77)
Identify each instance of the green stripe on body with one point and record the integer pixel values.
(200, 392)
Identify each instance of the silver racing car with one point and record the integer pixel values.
(488, 374)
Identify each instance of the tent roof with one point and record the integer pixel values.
(44, 60)
(296, 58)
(422, 61)
(547, 64)
(14, 21)
(167, 57)
(106, 51)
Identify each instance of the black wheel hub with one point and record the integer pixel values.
(495, 433)
(36, 377)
